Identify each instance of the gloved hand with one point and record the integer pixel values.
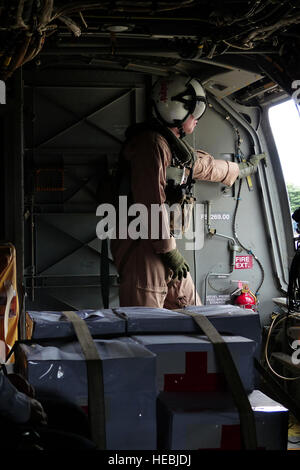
(176, 262)
(250, 167)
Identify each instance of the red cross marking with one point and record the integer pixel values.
(196, 378)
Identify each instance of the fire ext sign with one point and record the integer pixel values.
(244, 262)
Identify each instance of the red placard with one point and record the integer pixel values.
(244, 262)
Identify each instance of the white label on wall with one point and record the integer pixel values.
(217, 216)
(220, 299)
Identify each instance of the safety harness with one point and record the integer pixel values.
(182, 153)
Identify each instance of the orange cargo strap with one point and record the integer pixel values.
(235, 385)
(94, 367)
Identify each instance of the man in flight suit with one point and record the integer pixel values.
(152, 272)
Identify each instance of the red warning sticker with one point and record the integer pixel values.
(244, 262)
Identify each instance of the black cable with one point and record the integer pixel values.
(270, 13)
(195, 269)
(294, 284)
(250, 252)
(250, 25)
(194, 226)
(254, 10)
(294, 274)
(227, 118)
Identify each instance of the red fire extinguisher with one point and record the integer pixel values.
(246, 299)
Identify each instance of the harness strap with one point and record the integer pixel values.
(94, 369)
(247, 420)
(179, 148)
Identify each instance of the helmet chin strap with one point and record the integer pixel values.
(181, 131)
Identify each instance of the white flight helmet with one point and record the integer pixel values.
(175, 99)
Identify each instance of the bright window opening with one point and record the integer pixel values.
(285, 124)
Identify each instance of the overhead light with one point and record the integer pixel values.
(117, 28)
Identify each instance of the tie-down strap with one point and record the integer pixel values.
(95, 381)
(235, 385)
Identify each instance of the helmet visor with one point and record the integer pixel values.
(200, 107)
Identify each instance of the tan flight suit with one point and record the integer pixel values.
(144, 280)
